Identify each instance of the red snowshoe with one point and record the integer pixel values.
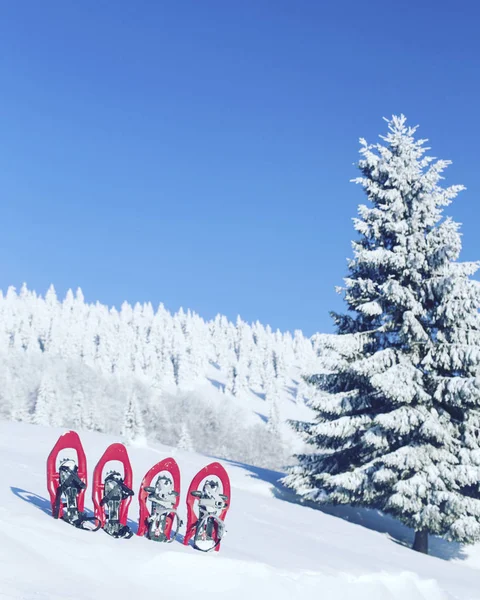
(112, 496)
(67, 484)
(211, 488)
(164, 494)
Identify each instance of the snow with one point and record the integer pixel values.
(73, 364)
(274, 547)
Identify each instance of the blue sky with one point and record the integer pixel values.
(198, 153)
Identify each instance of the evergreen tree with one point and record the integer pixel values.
(77, 409)
(302, 391)
(255, 378)
(397, 419)
(46, 406)
(133, 427)
(232, 380)
(185, 441)
(272, 401)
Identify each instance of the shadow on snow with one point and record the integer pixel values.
(217, 384)
(371, 519)
(263, 417)
(44, 505)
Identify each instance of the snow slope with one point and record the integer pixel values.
(274, 548)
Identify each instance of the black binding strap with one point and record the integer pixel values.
(126, 492)
(118, 493)
(166, 513)
(77, 519)
(203, 523)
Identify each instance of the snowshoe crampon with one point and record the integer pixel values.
(67, 483)
(210, 489)
(161, 488)
(112, 495)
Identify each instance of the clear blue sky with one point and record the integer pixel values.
(198, 153)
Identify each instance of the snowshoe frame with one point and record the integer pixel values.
(116, 452)
(193, 522)
(171, 466)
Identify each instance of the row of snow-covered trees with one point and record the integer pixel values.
(397, 423)
(45, 390)
(139, 372)
(163, 349)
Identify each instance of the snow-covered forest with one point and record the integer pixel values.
(149, 373)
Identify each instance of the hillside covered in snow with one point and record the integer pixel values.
(274, 547)
(215, 386)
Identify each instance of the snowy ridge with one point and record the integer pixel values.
(142, 372)
(274, 548)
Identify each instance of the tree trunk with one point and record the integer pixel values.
(420, 543)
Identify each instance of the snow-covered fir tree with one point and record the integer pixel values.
(273, 413)
(398, 417)
(133, 429)
(46, 406)
(232, 383)
(185, 441)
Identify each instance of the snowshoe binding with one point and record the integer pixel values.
(207, 525)
(67, 495)
(163, 498)
(210, 528)
(164, 495)
(115, 493)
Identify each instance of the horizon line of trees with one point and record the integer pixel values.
(135, 372)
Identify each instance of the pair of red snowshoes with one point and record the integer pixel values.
(208, 496)
(208, 500)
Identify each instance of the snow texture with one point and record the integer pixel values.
(274, 548)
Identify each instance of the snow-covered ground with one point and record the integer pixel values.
(274, 548)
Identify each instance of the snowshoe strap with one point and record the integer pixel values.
(177, 518)
(123, 532)
(124, 490)
(179, 521)
(84, 519)
(72, 515)
(72, 481)
(113, 499)
(116, 530)
(58, 499)
(220, 530)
